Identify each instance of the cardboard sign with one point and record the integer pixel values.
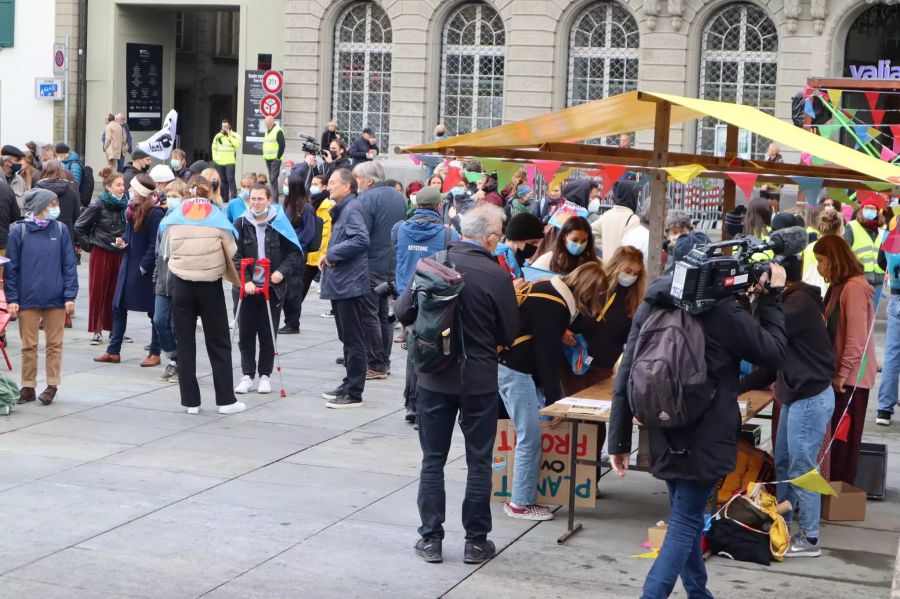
(554, 475)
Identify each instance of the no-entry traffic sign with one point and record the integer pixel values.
(272, 82)
(270, 105)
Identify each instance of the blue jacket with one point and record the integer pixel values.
(383, 207)
(235, 209)
(72, 163)
(422, 235)
(348, 251)
(41, 271)
(134, 287)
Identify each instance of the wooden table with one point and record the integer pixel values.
(757, 401)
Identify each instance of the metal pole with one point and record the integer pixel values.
(66, 98)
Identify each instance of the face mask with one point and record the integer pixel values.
(245, 193)
(458, 192)
(440, 134)
(175, 164)
(626, 280)
(315, 190)
(16, 167)
(525, 253)
(173, 203)
(285, 190)
(259, 212)
(869, 214)
(594, 206)
(412, 199)
(576, 249)
(53, 213)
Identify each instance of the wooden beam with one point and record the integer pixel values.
(658, 203)
(730, 193)
(855, 84)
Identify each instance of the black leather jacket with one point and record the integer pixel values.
(99, 226)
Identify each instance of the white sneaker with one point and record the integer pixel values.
(265, 385)
(193, 410)
(244, 385)
(234, 408)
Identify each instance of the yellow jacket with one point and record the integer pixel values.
(323, 212)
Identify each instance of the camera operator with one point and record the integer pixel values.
(692, 458)
(334, 158)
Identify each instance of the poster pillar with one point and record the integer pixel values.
(728, 199)
(658, 207)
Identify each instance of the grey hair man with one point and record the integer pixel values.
(490, 319)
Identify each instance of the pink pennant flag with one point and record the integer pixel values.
(611, 174)
(547, 168)
(530, 170)
(877, 117)
(887, 154)
(415, 159)
(745, 181)
(872, 99)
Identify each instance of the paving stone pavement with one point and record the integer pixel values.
(113, 491)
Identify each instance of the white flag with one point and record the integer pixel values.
(162, 142)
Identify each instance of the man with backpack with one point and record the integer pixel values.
(424, 234)
(689, 405)
(458, 374)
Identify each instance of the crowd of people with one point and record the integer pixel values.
(548, 270)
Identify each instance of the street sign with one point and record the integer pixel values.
(270, 105)
(272, 82)
(48, 88)
(59, 59)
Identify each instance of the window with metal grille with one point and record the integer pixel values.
(361, 94)
(738, 63)
(472, 64)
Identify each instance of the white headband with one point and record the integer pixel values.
(143, 191)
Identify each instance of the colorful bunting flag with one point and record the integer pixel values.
(816, 161)
(888, 154)
(490, 165)
(827, 131)
(473, 177)
(547, 168)
(850, 112)
(838, 195)
(813, 481)
(873, 132)
(878, 185)
(862, 133)
(835, 96)
(808, 108)
(684, 174)
(891, 243)
(505, 171)
(843, 428)
(561, 176)
(809, 187)
(415, 159)
(611, 173)
(872, 99)
(744, 181)
(877, 117)
(529, 174)
(452, 177)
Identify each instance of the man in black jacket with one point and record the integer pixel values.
(383, 207)
(140, 163)
(490, 319)
(691, 459)
(364, 148)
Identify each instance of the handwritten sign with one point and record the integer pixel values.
(555, 471)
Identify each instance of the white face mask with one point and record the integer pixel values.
(259, 212)
(314, 190)
(626, 280)
(285, 190)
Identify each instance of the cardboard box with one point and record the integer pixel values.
(849, 505)
(656, 535)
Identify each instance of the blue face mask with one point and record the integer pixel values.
(53, 213)
(315, 190)
(576, 249)
(869, 213)
(458, 192)
(175, 164)
(245, 193)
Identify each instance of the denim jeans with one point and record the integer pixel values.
(117, 336)
(523, 403)
(680, 554)
(801, 428)
(890, 371)
(162, 323)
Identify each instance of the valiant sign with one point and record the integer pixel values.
(883, 70)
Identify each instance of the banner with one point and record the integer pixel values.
(162, 142)
(555, 470)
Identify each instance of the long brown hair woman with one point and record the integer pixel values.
(573, 246)
(849, 314)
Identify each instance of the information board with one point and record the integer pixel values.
(257, 97)
(143, 86)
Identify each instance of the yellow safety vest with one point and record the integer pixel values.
(766, 255)
(224, 148)
(270, 143)
(865, 248)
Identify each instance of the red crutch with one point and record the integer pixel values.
(266, 265)
(245, 264)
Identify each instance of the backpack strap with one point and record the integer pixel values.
(566, 293)
(609, 302)
(446, 238)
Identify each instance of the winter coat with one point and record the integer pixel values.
(422, 235)
(9, 211)
(134, 286)
(129, 171)
(72, 163)
(490, 319)
(461, 205)
(195, 253)
(849, 313)
(114, 142)
(359, 151)
(327, 138)
(611, 227)
(304, 226)
(491, 196)
(99, 225)
(285, 257)
(41, 272)
(69, 202)
(323, 211)
(731, 335)
(328, 168)
(382, 208)
(348, 252)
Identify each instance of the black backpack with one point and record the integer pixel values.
(86, 187)
(669, 386)
(436, 340)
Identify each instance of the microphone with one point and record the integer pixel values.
(787, 242)
(306, 137)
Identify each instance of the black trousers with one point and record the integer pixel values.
(437, 416)
(348, 317)
(254, 324)
(379, 331)
(227, 184)
(207, 300)
(274, 167)
(296, 292)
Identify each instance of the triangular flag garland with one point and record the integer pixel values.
(828, 130)
(862, 133)
(505, 172)
(473, 177)
(547, 168)
(843, 428)
(872, 99)
(878, 185)
(684, 174)
(744, 181)
(835, 96)
(813, 481)
(611, 173)
(888, 154)
(416, 159)
(873, 132)
(529, 174)
(838, 195)
(816, 161)
(452, 177)
(561, 176)
(810, 186)
(877, 117)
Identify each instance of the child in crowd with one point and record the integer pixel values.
(239, 205)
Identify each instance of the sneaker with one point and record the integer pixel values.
(129, 340)
(374, 375)
(233, 408)
(527, 512)
(286, 330)
(97, 339)
(245, 384)
(477, 553)
(801, 547)
(265, 385)
(193, 410)
(170, 371)
(174, 378)
(429, 550)
(343, 401)
(146, 348)
(884, 418)
(328, 314)
(333, 394)
(410, 415)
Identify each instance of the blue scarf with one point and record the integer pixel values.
(197, 212)
(280, 223)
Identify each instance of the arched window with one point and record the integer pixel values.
(472, 63)
(738, 63)
(603, 53)
(362, 72)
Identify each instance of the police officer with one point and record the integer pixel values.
(224, 153)
(273, 150)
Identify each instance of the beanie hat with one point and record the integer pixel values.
(61, 148)
(734, 221)
(199, 166)
(37, 199)
(161, 173)
(686, 242)
(428, 196)
(139, 155)
(783, 220)
(523, 226)
(522, 190)
(871, 199)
